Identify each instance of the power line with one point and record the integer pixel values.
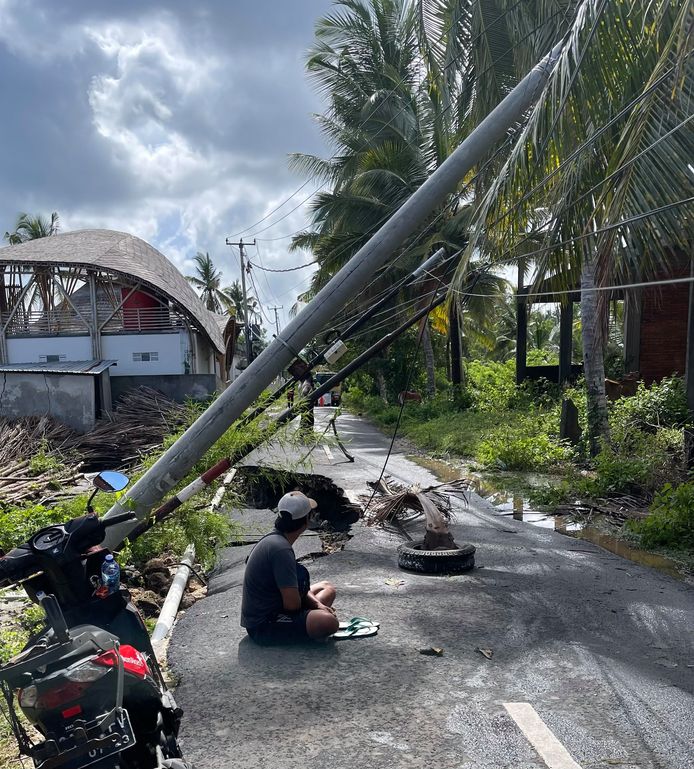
(607, 228)
(286, 269)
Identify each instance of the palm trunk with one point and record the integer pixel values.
(456, 358)
(428, 349)
(382, 387)
(593, 362)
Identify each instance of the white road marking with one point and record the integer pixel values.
(551, 751)
(328, 452)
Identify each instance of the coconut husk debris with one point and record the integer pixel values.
(392, 501)
(139, 423)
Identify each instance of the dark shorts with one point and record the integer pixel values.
(284, 629)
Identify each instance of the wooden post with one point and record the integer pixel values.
(689, 374)
(521, 327)
(566, 322)
(454, 339)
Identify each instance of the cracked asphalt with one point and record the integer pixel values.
(600, 647)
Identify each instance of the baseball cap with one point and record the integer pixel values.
(297, 504)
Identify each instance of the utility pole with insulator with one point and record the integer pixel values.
(246, 322)
(277, 320)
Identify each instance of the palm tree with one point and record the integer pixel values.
(577, 171)
(389, 131)
(208, 280)
(30, 227)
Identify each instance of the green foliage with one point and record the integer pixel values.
(43, 461)
(525, 444)
(671, 520)
(492, 385)
(663, 404)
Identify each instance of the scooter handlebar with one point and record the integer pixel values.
(116, 519)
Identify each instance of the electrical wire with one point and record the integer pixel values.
(600, 230)
(286, 269)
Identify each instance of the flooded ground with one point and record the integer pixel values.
(506, 492)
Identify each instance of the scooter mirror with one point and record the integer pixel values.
(109, 480)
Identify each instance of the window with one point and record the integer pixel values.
(145, 357)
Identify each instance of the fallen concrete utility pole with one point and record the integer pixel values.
(173, 598)
(178, 460)
(195, 487)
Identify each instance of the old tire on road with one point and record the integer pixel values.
(412, 557)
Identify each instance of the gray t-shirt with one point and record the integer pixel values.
(271, 566)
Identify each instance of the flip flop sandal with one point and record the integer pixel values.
(360, 622)
(355, 631)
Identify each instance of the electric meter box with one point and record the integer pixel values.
(335, 351)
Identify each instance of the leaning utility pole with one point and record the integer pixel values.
(178, 459)
(277, 320)
(246, 321)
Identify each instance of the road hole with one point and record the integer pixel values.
(262, 487)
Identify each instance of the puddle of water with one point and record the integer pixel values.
(508, 503)
(620, 548)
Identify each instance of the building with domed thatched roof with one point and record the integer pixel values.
(101, 311)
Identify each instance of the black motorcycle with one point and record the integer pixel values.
(88, 682)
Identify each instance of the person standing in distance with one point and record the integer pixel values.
(279, 605)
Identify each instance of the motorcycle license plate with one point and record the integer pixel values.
(121, 738)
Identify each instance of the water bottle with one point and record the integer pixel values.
(110, 574)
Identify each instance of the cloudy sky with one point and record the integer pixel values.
(168, 119)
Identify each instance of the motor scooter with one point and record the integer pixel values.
(88, 682)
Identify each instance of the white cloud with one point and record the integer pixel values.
(134, 108)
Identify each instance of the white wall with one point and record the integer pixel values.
(121, 347)
(29, 350)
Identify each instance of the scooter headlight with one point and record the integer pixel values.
(28, 697)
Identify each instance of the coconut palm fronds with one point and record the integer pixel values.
(392, 500)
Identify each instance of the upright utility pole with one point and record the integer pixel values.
(277, 320)
(180, 457)
(246, 321)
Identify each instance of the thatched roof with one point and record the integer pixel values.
(124, 255)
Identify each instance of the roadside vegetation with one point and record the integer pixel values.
(492, 425)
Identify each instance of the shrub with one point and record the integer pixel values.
(671, 519)
(523, 445)
(661, 405)
(492, 386)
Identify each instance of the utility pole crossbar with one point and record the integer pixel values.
(177, 461)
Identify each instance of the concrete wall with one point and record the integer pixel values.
(69, 398)
(30, 350)
(178, 388)
(169, 347)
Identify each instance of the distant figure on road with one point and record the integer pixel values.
(307, 417)
(279, 606)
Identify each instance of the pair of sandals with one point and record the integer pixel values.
(357, 627)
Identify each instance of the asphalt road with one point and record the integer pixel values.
(592, 656)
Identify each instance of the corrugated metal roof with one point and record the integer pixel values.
(91, 367)
(120, 253)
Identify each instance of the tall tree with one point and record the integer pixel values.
(208, 281)
(30, 227)
(604, 146)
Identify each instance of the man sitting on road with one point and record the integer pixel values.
(279, 606)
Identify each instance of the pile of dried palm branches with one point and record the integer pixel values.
(618, 509)
(42, 459)
(392, 501)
